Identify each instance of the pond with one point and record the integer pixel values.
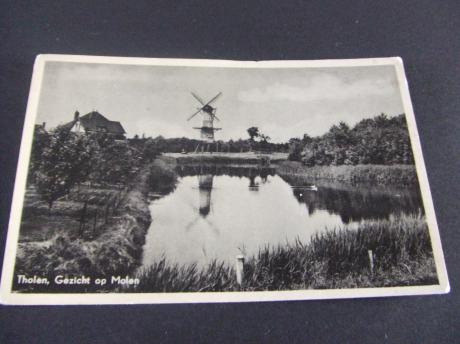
(220, 212)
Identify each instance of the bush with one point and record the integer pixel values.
(161, 177)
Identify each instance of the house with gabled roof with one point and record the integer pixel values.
(95, 122)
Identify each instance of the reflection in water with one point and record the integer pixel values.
(205, 188)
(205, 184)
(223, 170)
(214, 212)
(357, 202)
(252, 184)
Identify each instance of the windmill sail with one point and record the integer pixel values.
(207, 128)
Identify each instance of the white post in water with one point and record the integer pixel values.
(239, 269)
(371, 260)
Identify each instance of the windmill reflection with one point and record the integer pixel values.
(205, 185)
(205, 177)
(253, 185)
(205, 188)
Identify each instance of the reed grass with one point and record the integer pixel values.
(337, 258)
(164, 277)
(378, 174)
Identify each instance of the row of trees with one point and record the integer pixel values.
(61, 160)
(256, 142)
(380, 140)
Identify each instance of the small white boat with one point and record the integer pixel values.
(306, 187)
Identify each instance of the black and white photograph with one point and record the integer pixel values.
(162, 180)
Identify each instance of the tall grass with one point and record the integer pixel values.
(164, 277)
(378, 174)
(333, 259)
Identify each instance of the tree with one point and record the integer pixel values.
(295, 149)
(264, 138)
(40, 141)
(151, 150)
(115, 162)
(379, 140)
(253, 132)
(64, 162)
(306, 139)
(339, 139)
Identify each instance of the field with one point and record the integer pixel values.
(338, 258)
(85, 212)
(115, 249)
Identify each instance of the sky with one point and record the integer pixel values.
(156, 100)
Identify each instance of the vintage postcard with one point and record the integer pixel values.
(167, 180)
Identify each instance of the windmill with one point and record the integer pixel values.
(208, 112)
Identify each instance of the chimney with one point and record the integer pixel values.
(76, 116)
(43, 125)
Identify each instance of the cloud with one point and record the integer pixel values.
(321, 87)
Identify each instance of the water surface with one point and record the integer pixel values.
(220, 213)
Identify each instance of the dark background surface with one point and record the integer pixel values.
(424, 33)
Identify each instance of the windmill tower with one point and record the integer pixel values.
(208, 113)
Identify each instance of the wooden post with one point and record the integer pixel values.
(371, 261)
(239, 269)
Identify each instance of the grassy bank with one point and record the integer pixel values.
(334, 259)
(377, 174)
(114, 249)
